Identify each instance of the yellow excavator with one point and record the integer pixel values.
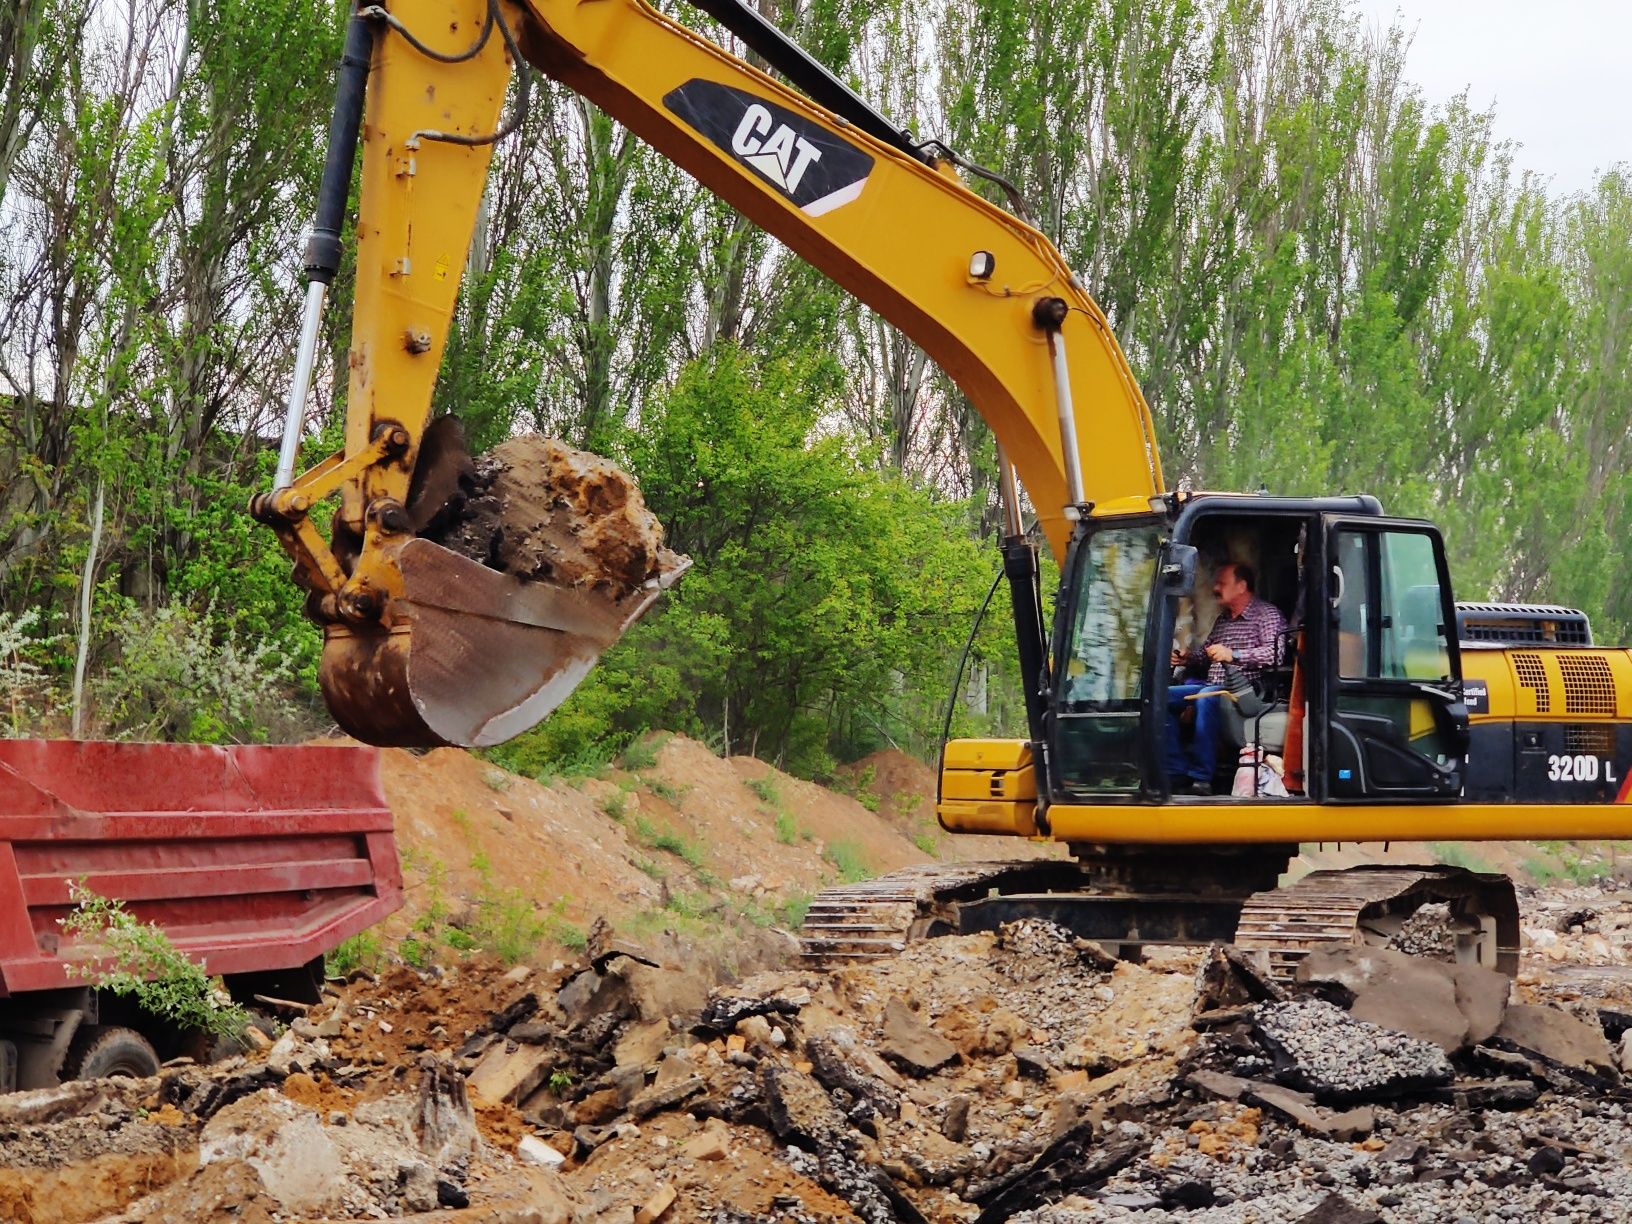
(1394, 714)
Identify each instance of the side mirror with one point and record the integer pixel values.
(1178, 569)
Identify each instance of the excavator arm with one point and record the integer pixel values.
(423, 646)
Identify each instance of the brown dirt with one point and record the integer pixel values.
(89, 1188)
(403, 1013)
(676, 854)
(545, 512)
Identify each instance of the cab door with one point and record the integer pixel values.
(1397, 727)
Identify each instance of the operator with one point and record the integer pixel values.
(1246, 635)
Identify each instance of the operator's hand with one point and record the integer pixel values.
(1219, 653)
(1178, 657)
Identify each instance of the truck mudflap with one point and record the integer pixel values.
(251, 858)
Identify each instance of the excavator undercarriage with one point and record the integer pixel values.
(1128, 897)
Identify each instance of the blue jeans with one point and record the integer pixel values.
(1202, 757)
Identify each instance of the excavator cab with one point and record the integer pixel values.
(1363, 701)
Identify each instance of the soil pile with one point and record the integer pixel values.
(538, 509)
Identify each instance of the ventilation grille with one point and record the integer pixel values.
(1533, 676)
(1522, 624)
(1587, 740)
(1589, 688)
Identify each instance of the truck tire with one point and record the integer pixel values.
(101, 1052)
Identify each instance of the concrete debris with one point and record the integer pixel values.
(910, 1044)
(1559, 1037)
(1326, 1051)
(1451, 1005)
(1013, 1075)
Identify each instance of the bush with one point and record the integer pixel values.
(136, 959)
(177, 676)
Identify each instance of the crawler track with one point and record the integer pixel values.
(878, 918)
(1367, 905)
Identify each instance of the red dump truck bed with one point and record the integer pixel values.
(250, 858)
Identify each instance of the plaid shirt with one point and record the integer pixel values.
(1254, 638)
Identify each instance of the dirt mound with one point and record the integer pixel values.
(544, 512)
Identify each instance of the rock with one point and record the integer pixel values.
(1545, 1160)
(1345, 1127)
(1227, 978)
(706, 1145)
(604, 946)
(955, 1125)
(41, 1105)
(1072, 1164)
(1451, 1005)
(1230, 1087)
(291, 1053)
(910, 1044)
(725, 1011)
(653, 1208)
(1623, 1057)
(597, 1109)
(1558, 1036)
(508, 1072)
(665, 1096)
(287, 1147)
(641, 1043)
(1335, 1209)
(839, 1062)
(534, 1151)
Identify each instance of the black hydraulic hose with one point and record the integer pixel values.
(323, 246)
(957, 680)
(523, 96)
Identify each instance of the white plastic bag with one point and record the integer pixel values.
(1258, 776)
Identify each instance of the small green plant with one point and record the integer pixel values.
(364, 950)
(616, 806)
(135, 959)
(651, 868)
(557, 927)
(928, 843)
(793, 908)
(787, 828)
(849, 860)
(765, 788)
(671, 842)
(559, 1082)
(497, 779)
(668, 791)
(415, 952)
(642, 754)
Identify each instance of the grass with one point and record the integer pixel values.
(1453, 855)
(787, 828)
(616, 806)
(849, 860)
(642, 754)
(793, 909)
(497, 780)
(765, 788)
(671, 842)
(665, 790)
(928, 843)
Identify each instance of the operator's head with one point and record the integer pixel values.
(1232, 586)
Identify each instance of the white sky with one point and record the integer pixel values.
(1558, 71)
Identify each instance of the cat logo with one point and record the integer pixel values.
(811, 165)
(783, 158)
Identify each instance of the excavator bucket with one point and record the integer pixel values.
(472, 657)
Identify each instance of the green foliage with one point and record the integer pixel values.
(137, 960)
(178, 676)
(928, 843)
(787, 828)
(1455, 854)
(673, 843)
(765, 788)
(364, 950)
(793, 909)
(642, 753)
(616, 806)
(849, 860)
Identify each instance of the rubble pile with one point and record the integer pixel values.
(1019, 1075)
